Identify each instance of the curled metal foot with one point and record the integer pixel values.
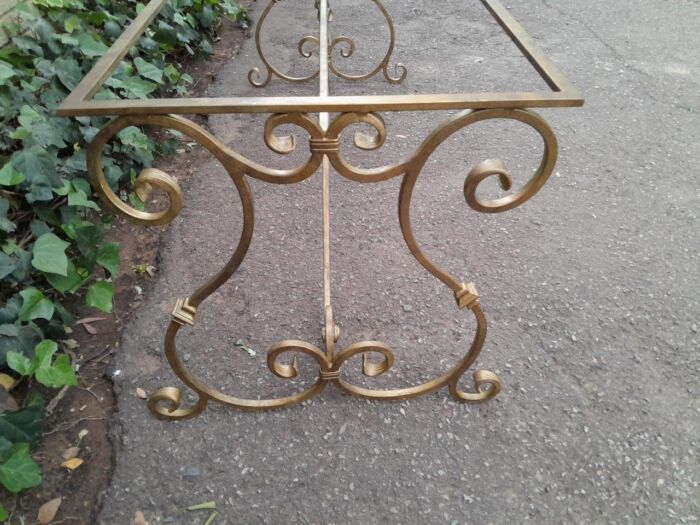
(487, 384)
(165, 404)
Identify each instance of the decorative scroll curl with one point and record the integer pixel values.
(484, 170)
(483, 378)
(341, 46)
(254, 75)
(346, 48)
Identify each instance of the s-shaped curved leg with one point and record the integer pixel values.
(166, 402)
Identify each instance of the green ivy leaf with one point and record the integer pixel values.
(38, 166)
(49, 254)
(23, 265)
(7, 265)
(108, 257)
(39, 228)
(6, 224)
(78, 198)
(72, 23)
(43, 353)
(28, 116)
(9, 246)
(148, 70)
(71, 282)
(61, 373)
(20, 364)
(88, 236)
(63, 189)
(24, 425)
(68, 72)
(139, 88)
(16, 338)
(172, 73)
(20, 471)
(53, 375)
(90, 45)
(6, 72)
(134, 137)
(49, 133)
(35, 305)
(136, 202)
(100, 296)
(9, 176)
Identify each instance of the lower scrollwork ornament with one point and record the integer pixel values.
(377, 357)
(166, 402)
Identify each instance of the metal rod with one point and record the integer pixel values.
(549, 72)
(323, 91)
(79, 102)
(102, 70)
(208, 106)
(329, 330)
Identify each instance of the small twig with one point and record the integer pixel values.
(108, 350)
(71, 425)
(71, 518)
(54, 402)
(25, 241)
(96, 360)
(87, 389)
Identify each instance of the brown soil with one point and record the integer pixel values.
(90, 407)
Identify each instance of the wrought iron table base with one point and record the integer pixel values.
(325, 152)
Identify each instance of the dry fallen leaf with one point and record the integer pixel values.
(47, 512)
(70, 344)
(7, 382)
(70, 453)
(7, 402)
(87, 324)
(72, 464)
(89, 328)
(139, 519)
(82, 433)
(141, 393)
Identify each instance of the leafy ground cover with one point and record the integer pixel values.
(54, 256)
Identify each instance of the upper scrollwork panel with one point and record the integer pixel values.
(341, 47)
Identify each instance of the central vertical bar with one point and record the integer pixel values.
(323, 90)
(329, 331)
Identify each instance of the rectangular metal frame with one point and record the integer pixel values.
(80, 102)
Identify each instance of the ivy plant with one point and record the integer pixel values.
(54, 257)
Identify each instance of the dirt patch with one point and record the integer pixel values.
(81, 417)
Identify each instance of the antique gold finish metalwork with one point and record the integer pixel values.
(343, 44)
(325, 153)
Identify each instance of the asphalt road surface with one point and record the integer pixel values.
(590, 290)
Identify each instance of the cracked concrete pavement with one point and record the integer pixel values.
(590, 290)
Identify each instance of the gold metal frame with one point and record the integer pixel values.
(325, 152)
